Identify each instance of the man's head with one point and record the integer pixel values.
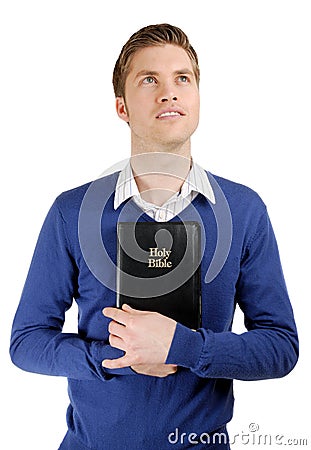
(156, 84)
(152, 35)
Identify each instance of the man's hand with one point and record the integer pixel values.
(155, 370)
(145, 337)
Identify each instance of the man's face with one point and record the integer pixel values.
(161, 101)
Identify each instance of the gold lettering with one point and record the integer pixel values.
(151, 262)
(162, 258)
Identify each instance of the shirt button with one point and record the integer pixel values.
(161, 215)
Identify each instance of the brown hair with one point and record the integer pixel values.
(152, 35)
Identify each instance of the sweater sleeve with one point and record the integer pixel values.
(269, 347)
(37, 341)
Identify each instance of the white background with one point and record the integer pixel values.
(59, 130)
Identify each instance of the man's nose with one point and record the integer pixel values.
(166, 99)
(167, 94)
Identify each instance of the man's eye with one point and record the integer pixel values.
(183, 78)
(148, 80)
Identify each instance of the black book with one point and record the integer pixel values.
(158, 269)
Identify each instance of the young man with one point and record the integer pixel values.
(139, 380)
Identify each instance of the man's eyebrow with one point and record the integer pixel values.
(185, 71)
(144, 73)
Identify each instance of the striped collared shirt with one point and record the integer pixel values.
(196, 182)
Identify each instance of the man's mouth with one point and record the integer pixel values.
(170, 113)
(167, 114)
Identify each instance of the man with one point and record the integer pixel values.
(139, 380)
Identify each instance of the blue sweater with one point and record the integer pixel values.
(119, 409)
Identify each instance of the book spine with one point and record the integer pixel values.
(118, 279)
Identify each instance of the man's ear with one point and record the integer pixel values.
(121, 109)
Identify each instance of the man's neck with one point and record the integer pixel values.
(159, 175)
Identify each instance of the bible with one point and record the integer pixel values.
(158, 269)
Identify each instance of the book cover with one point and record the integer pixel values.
(158, 269)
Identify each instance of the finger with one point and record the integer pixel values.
(126, 307)
(116, 314)
(119, 363)
(131, 310)
(117, 329)
(117, 342)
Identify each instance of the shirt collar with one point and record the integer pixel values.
(197, 180)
